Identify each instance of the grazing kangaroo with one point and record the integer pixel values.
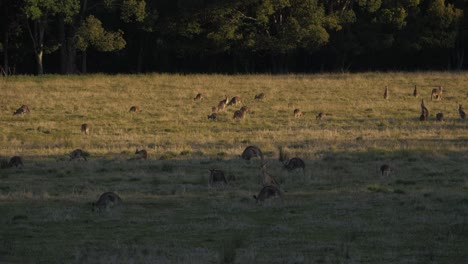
(424, 112)
(461, 112)
(77, 154)
(24, 109)
(260, 96)
(268, 192)
(15, 161)
(440, 117)
(298, 113)
(437, 93)
(134, 109)
(213, 116)
(385, 95)
(415, 92)
(85, 128)
(319, 116)
(295, 163)
(251, 152)
(199, 96)
(240, 114)
(385, 170)
(267, 179)
(222, 104)
(235, 101)
(106, 201)
(217, 177)
(141, 154)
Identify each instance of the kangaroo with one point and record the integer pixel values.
(15, 161)
(462, 113)
(295, 163)
(319, 116)
(415, 92)
(134, 109)
(267, 179)
(385, 95)
(244, 109)
(268, 192)
(298, 113)
(240, 114)
(440, 117)
(251, 152)
(141, 154)
(77, 154)
(85, 128)
(235, 101)
(260, 96)
(24, 109)
(424, 112)
(199, 96)
(213, 116)
(106, 201)
(217, 177)
(222, 104)
(214, 109)
(385, 170)
(437, 93)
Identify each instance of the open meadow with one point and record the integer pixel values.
(340, 210)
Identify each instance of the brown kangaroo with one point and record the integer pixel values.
(77, 154)
(385, 170)
(134, 109)
(319, 116)
(298, 113)
(199, 96)
(141, 154)
(235, 101)
(85, 128)
(213, 116)
(252, 152)
(385, 95)
(267, 179)
(461, 112)
(424, 112)
(106, 201)
(222, 104)
(217, 177)
(15, 161)
(268, 192)
(415, 92)
(24, 109)
(440, 117)
(437, 93)
(260, 96)
(295, 163)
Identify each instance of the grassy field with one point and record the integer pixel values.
(339, 211)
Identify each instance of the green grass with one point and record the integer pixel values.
(340, 211)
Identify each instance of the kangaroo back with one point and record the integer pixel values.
(15, 161)
(252, 152)
(268, 192)
(107, 200)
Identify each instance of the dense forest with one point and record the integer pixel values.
(225, 36)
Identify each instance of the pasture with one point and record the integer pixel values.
(339, 211)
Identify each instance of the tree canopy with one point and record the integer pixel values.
(245, 36)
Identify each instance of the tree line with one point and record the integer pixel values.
(225, 36)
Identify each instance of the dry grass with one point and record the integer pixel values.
(340, 211)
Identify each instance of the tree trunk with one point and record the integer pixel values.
(5, 53)
(40, 68)
(63, 45)
(83, 63)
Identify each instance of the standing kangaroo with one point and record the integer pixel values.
(267, 179)
(235, 101)
(252, 152)
(385, 95)
(106, 201)
(268, 192)
(24, 109)
(437, 93)
(415, 92)
(222, 104)
(424, 112)
(85, 128)
(461, 112)
(217, 177)
(77, 154)
(385, 170)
